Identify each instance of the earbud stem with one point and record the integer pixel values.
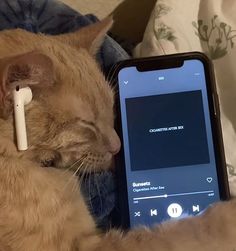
(21, 135)
(21, 97)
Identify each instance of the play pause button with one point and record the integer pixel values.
(174, 210)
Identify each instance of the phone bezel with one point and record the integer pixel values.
(167, 62)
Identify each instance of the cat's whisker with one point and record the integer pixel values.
(82, 176)
(114, 90)
(81, 166)
(75, 185)
(73, 175)
(85, 171)
(113, 84)
(112, 72)
(75, 163)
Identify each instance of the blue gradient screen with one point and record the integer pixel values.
(168, 144)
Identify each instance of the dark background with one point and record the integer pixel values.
(170, 148)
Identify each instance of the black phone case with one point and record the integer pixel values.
(165, 62)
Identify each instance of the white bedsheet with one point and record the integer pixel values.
(208, 26)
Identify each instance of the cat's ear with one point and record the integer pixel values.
(90, 37)
(29, 69)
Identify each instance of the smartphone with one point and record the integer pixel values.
(172, 162)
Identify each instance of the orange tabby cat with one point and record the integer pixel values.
(70, 123)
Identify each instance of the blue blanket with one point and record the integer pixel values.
(53, 17)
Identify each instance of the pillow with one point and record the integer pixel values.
(206, 26)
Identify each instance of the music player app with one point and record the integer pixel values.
(168, 145)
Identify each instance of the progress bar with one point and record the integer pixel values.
(172, 195)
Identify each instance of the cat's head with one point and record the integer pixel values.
(70, 121)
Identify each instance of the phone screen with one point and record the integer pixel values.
(168, 143)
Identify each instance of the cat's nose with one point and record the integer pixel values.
(114, 143)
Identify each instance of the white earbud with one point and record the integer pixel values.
(22, 97)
